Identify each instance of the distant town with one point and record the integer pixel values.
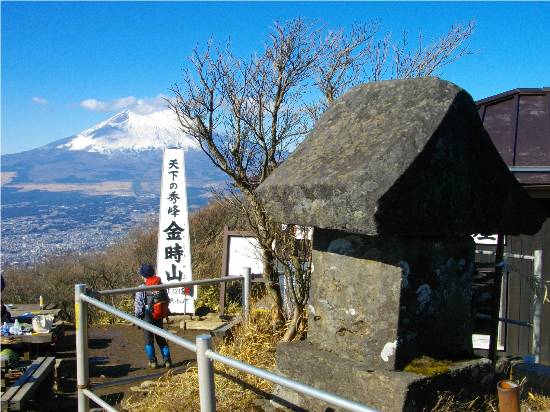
(33, 229)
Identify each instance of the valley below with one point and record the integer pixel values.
(39, 224)
(83, 193)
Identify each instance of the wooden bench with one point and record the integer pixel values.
(19, 395)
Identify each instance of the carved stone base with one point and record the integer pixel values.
(380, 389)
(385, 301)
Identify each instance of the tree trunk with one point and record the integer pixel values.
(292, 330)
(272, 287)
(265, 239)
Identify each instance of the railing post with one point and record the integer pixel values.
(495, 310)
(207, 388)
(245, 272)
(537, 304)
(81, 326)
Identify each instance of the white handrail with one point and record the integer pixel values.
(205, 355)
(202, 282)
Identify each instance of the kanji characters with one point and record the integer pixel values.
(173, 252)
(173, 197)
(173, 210)
(175, 275)
(173, 231)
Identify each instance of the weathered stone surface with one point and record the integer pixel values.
(379, 389)
(401, 157)
(386, 301)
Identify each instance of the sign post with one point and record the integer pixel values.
(174, 251)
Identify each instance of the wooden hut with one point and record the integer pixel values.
(518, 122)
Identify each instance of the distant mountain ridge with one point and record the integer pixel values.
(84, 192)
(119, 156)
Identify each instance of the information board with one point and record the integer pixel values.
(244, 252)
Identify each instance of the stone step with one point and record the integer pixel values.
(201, 324)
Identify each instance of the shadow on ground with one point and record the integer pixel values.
(115, 352)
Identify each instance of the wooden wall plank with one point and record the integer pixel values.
(545, 329)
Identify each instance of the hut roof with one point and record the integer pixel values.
(518, 122)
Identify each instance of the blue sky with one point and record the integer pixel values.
(66, 66)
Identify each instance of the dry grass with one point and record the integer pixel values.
(536, 403)
(235, 391)
(126, 304)
(530, 403)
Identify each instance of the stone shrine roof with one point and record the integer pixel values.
(401, 157)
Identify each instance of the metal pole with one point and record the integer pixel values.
(331, 398)
(537, 304)
(81, 326)
(207, 388)
(529, 169)
(187, 344)
(184, 301)
(245, 273)
(99, 401)
(202, 282)
(496, 300)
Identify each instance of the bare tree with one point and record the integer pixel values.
(342, 58)
(428, 60)
(359, 56)
(248, 114)
(294, 250)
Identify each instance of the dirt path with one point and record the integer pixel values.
(115, 352)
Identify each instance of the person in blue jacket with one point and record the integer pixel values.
(143, 308)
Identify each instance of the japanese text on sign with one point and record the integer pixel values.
(174, 257)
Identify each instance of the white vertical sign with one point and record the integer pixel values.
(174, 251)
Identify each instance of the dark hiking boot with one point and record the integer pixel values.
(152, 363)
(167, 363)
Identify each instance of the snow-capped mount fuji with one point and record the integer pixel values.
(119, 156)
(131, 131)
(83, 192)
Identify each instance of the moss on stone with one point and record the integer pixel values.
(428, 366)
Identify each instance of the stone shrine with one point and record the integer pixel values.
(394, 178)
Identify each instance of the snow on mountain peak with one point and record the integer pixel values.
(131, 131)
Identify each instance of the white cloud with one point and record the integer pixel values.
(39, 101)
(144, 105)
(94, 105)
(150, 105)
(123, 103)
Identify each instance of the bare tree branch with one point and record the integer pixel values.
(248, 114)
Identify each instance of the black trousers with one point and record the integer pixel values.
(148, 336)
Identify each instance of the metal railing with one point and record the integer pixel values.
(529, 169)
(202, 347)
